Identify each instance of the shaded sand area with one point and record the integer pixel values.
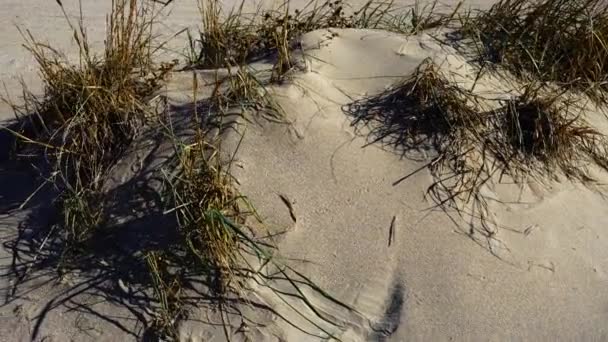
(351, 213)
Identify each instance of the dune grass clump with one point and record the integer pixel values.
(205, 201)
(244, 89)
(90, 111)
(223, 40)
(443, 108)
(472, 142)
(548, 134)
(429, 114)
(443, 117)
(237, 37)
(209, 213)
(562, 41)
(420, 18)
(168, 286)
(426, 111)
(218, 242)
(233, 40)
(536, 127)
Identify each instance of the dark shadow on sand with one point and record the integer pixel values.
(112, 268)
(391, 319)
(401, 124)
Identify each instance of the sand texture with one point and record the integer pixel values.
(358, 222)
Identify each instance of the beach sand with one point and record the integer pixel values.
(360, 218)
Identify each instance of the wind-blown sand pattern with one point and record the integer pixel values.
(349, 213)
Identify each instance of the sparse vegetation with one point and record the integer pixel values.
(422, 18)
(237, 38)
(90, 112)
(535, 134)
(222, 41)
(205, 201)
(549, 135)
(168, 290)
(559, 41)
(243, 88)
(86, 121)
(426, 114)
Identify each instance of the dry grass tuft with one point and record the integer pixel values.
(237, 38)
(426, 111)
(216, 241)
(561, 41)
(90, 111)
(86, 121)
(421, 18)
(534, 135)
(548, 135)
(242, 89)
(428, 114)
(204, 200)
(233, 40)
(168, 289)
(224, 40)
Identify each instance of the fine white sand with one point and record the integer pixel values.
(543, 276)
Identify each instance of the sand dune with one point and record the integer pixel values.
(433, 281)
(360, 217)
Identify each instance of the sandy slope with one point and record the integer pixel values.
(431, 282)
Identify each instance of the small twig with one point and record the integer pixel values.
(289, 206)
(391, 231)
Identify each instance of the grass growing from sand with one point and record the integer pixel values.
(84, 124)
(540, 133)
(93, 110)
(90, 112)
(558, 41)
(237, 38)
(537, 134)
(547, 134)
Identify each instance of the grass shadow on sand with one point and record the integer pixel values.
(113, 255)
(421, 134)
(425, 119)
(392, 317)
(110, 278)
(469, 145)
